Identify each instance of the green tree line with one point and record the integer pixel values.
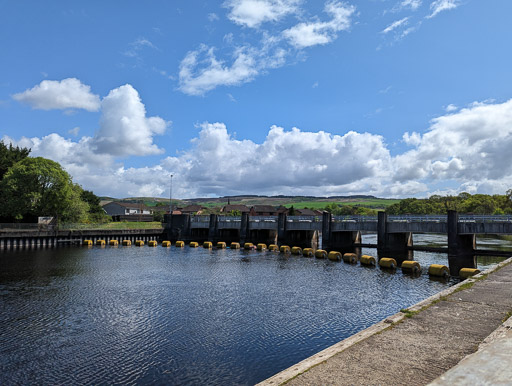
(463, 203)
(31, 187)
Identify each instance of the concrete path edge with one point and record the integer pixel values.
(329, 352)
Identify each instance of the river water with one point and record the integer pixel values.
(129, 315)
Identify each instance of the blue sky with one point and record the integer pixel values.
(393, 98)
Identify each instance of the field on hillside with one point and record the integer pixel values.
(298, 202)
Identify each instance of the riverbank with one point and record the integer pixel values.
(417, 345)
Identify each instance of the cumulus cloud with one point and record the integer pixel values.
(314, 33)
(68, 93)
(468, 146)
(438, 6)
(124, 128)
(252, 13)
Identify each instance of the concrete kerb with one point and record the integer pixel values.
(331, 351)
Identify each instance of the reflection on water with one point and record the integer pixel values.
(184, 316)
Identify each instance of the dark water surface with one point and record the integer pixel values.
(184, 316)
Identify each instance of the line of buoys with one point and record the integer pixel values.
(235, 246)
(87, 243)
(261, 247)
(113, 243)
(285, 249)
(334, 256)
(207, 245)
(438, 270)
(221, 245)
(296, 251)
(139, 243)
(127, 243)
(180, 244)
(387, 262)
(411, 266)
(350, 258)
(273, 248)
(308, 252)
(152, 243)
(368, 260)
(464, 273)
(166, 243)
(321, 254)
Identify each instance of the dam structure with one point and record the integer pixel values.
(394, 233)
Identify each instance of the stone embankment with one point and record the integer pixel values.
(420, 345)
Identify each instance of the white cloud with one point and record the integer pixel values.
(68, 93)
(450, 108)
(413, 139)
(198, 81)
(124, 128)
(412, 4)
(314, 33)
(438, 6)
(252, 13)
(213, 17)
(469, 146)
(74, 131)
(395, 25)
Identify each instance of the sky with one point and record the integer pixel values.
(391, 98)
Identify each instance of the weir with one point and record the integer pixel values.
(343, 233)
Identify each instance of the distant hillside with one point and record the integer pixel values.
(298, 202)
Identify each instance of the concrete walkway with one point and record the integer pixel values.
(416, 347)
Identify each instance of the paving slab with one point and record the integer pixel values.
(418, 349)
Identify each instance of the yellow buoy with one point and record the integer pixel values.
(438, 270)
(139, 243)
(100, 242)
(127, 243)
(207, 244)
(387, 262)
(285, 249)
(235, 246)
(193, 244)
(350, 258)
(180, 244)
(334, 256)
(261, 247)
(296, 251)
(248, 246)
(464, 273)
(114, 243)
(221, 245)
(87, 243)
(410, 266)
(308, 252)
(368, 260)
(320, 254)
(273, 248)
(152, 243)
(166, 243)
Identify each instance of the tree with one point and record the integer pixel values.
(96, 212)
(40, 187)
(9, 155)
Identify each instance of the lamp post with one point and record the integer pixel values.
(170, 198)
